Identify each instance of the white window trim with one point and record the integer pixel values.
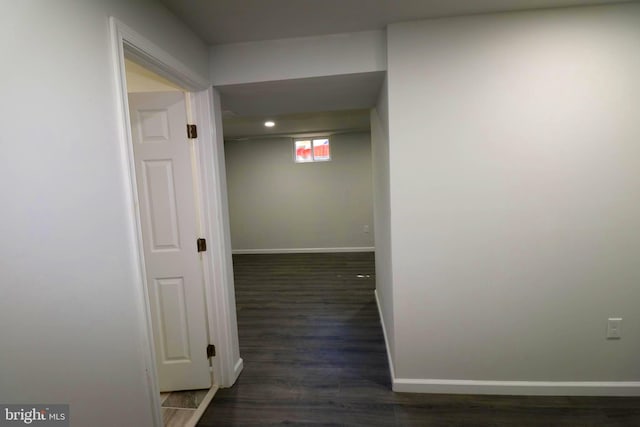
(313, 159)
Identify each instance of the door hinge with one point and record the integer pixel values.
(192, 131)
(202, 245)
(211, 351)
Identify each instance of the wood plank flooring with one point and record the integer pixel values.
(314, 354)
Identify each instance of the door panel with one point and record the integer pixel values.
(161, 205)
(174, 333)
(168, 215)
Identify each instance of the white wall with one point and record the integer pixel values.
(515, 189)
(275, 203)
(69, 320)
(382, 215)
(139, 79)
(298, 58)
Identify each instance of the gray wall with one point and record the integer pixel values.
(70, 304)
(277, 204)
(515, 195)
(316, 56)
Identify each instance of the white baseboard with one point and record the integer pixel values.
(302, 250)
(525, 388)
(386, 340)
(530, 388)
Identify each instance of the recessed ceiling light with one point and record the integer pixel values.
(269, 124)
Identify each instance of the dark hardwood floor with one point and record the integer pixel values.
(314, 354)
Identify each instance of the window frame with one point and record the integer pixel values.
(313, 154)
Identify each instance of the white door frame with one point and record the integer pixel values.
(218, 268)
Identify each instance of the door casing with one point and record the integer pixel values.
(213, 215)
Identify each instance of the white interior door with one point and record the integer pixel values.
(169, 229)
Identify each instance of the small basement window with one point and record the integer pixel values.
(312, 150)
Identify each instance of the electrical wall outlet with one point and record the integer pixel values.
(614, 328)
(365, 228)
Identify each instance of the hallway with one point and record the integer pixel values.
(314, 354)
(311, 342)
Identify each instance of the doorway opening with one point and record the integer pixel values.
(177, 208)
(305, 268)
(303, 244)
(167, 187)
